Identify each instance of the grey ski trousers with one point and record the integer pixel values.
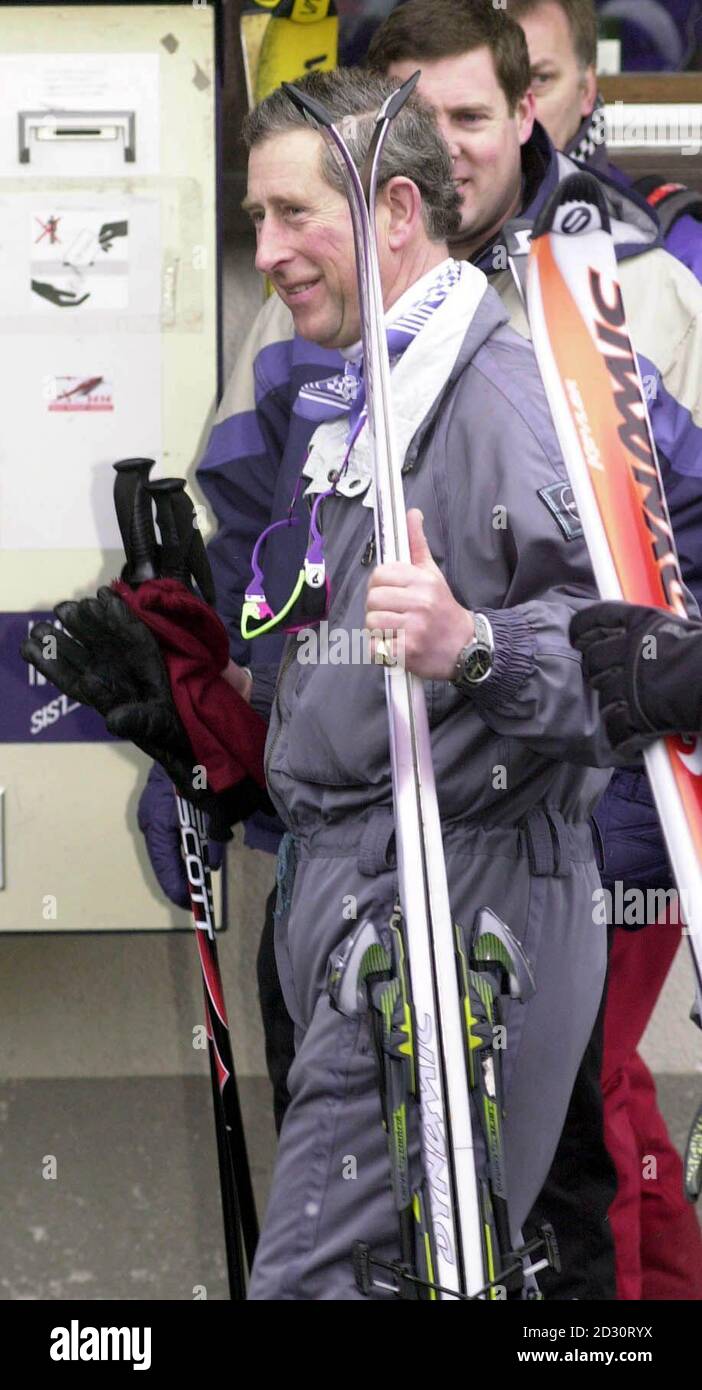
(331, 1184)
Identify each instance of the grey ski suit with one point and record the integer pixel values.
(516, 769)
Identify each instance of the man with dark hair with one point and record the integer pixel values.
(492, 105)
(657, 1236)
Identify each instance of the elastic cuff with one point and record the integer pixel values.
(264, 679)
(513, 661)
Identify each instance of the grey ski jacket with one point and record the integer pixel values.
(519, 768)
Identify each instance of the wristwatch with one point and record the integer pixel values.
(475, 661)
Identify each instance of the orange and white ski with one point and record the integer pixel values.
(595, 392)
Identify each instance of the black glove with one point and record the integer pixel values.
(646, 665)
(108, 658)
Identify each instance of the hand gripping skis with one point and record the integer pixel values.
(180, 556)
(433, 991)
(594, 388)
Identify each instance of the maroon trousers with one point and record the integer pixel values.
(656, 1232)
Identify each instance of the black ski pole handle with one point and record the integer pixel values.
(135, 519)
(173, 560)
(128, 471)
(193, 545)
(184, 553)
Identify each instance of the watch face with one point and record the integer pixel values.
(478, 664)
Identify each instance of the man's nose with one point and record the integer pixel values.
(271, 247)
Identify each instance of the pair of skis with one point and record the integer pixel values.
(594, 389)
(434, 991)
(181, 555)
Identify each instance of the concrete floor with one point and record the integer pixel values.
(133, 1211)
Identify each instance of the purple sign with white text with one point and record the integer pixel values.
(31, 709)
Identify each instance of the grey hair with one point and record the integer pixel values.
(414, 147)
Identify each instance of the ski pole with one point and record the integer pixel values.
(169, 493)
(133, 505)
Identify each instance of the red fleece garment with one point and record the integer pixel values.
(226, 735)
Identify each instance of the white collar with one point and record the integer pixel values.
(416, 291)
(418, 378)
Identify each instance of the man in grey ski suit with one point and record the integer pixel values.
(515, 756)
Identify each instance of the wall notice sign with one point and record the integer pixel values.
(33, 710)
(78, 393)
(79, 114)
(79, 257)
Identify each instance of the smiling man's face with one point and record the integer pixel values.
(304, 237)
(484, 139)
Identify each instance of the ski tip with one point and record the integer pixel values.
(309, 106)
(395, 103)
(577, 205)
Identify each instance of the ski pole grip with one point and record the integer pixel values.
(129, 473)
(193, 546)
(163, 492)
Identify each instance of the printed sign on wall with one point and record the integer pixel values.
(79, 257)
(32, 710)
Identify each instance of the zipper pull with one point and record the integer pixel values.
(368, 555)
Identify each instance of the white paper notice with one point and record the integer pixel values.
(80, 343)
(79, 114)
(81, 272)
(79, 258)
(73, 406)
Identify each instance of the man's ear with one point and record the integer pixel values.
(525, 113)
(401, 201)
(589, 92)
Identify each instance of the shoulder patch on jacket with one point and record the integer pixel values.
(561, 503)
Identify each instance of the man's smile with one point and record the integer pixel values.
(298, 292)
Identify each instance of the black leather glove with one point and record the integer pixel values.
(646, 665)
(108, 658)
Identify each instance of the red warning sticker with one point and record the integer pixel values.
(78, 393)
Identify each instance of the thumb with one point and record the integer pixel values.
(420, 553)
